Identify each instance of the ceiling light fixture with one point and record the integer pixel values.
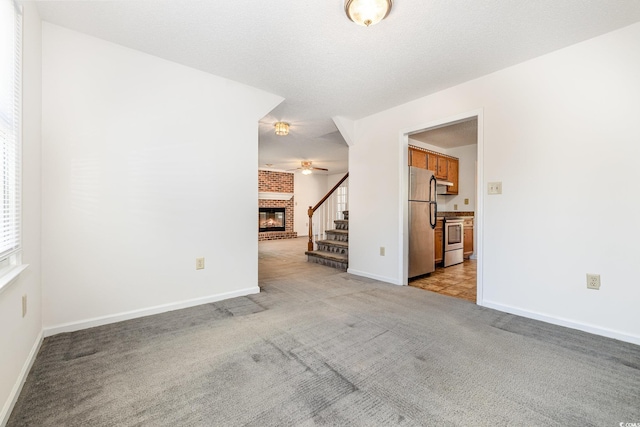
(306, 171)
(282, 128)
(367, 12)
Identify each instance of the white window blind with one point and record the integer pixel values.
(10, 126)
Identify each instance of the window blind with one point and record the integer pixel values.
(10, 126)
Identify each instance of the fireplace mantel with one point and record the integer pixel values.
(269, 195)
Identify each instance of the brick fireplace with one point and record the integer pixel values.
(282, 183)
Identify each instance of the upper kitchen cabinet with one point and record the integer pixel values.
(417, 158)
(442, 170)
(452, 175)
(445, 168)
(432, 162)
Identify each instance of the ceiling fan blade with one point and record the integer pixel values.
(320, 169)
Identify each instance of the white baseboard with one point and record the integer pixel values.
(119, 317)
(373, 276)
(633, 339)
(17, 387)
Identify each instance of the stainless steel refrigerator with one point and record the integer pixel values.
(422, 221)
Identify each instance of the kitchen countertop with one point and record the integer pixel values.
(445, 214)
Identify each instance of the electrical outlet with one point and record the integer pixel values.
(24, 305)
(593, 281)
(466, 201)
(455, 207)
(495, 188)
(199, 263)
(381, 250)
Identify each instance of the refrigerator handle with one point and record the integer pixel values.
(435, 217)
(432, 192)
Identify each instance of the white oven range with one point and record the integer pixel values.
(453, 240)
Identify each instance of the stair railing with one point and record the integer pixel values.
(326, 214)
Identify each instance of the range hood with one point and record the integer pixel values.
(441, 187)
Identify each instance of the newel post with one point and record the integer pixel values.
(310, 243)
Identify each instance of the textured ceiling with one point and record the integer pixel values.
(450, 136)
(324, 65)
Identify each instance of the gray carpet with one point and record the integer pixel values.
(321, 347)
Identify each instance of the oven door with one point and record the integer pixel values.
(453, 236)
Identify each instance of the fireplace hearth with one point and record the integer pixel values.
(271, 219)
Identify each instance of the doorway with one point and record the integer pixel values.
(460, 139)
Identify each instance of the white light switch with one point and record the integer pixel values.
(495, 188)
(199, 263)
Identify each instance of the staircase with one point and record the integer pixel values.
(333, 252)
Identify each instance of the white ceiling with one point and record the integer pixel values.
(458, 134)
(324, 65)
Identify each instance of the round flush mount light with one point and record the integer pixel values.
(367, 12)
(282, 128)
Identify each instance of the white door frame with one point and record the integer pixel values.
(404, 192)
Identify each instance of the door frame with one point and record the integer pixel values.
(404, 192)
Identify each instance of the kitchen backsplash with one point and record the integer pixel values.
(455, 213)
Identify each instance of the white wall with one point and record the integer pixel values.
(332, 180)
(557, 130)
(467, 157)
(307, 191)
(147, 165)
(20, 336)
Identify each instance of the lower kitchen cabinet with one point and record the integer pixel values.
(438, 236)
(468, 237)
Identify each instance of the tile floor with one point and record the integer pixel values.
(456, 281)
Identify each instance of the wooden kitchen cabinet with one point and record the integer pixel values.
(438, 242)
(468, 237)
(442, 168)
(452, 176)
(417, 158)
(445, 168)
(432, 162)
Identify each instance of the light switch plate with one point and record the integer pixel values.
(495, 187)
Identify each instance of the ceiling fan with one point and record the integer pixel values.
(307, 168)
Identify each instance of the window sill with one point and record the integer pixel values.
(10, 276)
